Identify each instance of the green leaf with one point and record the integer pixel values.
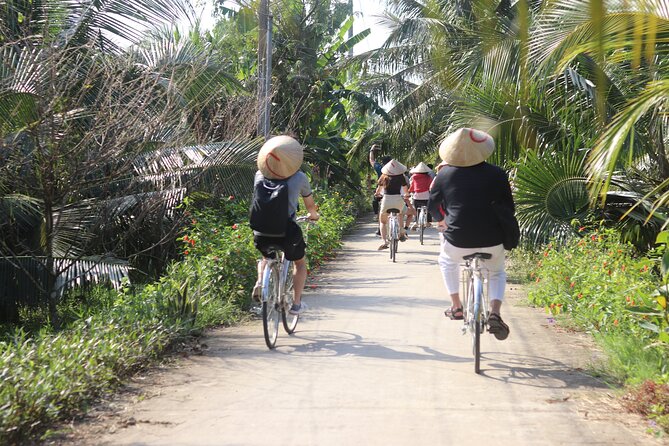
(650, 326)
(662, 237)
(665, 265)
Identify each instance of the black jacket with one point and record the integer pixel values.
(466, 194)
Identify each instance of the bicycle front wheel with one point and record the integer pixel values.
(477, 345)
(270, 306)
(289, 320)
(478, 323)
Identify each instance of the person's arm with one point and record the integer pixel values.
(372, 157)
(435, 201)
(310, 204)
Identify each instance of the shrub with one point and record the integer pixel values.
(46, 376)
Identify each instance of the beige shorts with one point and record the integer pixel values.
(392, 201)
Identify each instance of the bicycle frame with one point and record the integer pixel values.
(277, 298)
(393, 233)
(476, 303)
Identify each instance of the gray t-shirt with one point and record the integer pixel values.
(298, 185)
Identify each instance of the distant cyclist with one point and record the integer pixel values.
(420, 187)
(393, 190)
(465, 189)
(279, 161)
(377, 165)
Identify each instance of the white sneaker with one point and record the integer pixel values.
(298, 309)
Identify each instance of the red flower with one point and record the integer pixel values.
(615, 322)
(231, 197)
(580, 295)
(234, 226)
(593, 237)
(192, 242)
(571, 285)
(186, 252)
(313, 287)
(185, 238)
(581, 229)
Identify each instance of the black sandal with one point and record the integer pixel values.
(497, 327)
(454, 313)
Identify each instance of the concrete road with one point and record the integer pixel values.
(375, 362)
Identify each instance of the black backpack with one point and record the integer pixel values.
(269, 207)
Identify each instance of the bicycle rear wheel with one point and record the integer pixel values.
(270, 305)
(289, 320)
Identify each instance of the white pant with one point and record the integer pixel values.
(450, 259)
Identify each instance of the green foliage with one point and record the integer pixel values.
(607, 289)
(49, 375)
(520, 265)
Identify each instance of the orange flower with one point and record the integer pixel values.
(571, 285)
(581, 229)
(231, 197)
(580, 295)
(234, 226)
(622, 267)
(615, 322)
(186, 252)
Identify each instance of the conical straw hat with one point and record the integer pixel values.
(280, 157)
(420, 168)
(466, 147)
(393, 167)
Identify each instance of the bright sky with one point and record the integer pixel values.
(366, 16)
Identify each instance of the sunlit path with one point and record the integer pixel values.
(375, 362)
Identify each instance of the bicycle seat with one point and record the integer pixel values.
(478, 255)
(391, 210)
(273, 249)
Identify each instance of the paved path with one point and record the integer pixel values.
(375, 362)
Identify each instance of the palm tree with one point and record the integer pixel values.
(80, 117)
(536, 76)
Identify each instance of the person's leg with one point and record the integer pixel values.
(294, 249)
(496, 286)
(299, 279)
(450, 271)
(383, 227)
(496, 277)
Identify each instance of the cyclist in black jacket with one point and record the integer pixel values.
(460, 202)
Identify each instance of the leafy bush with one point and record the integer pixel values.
(46, 376)
(608, 290)
(49, 376)
(596, 279)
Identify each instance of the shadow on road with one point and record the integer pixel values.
(535, 371)
(338, 343)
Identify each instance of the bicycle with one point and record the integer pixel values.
(393, 231)
(422, 221)
(475, 302)
(277, 294)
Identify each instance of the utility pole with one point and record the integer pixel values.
(350, 30)
(264, 68)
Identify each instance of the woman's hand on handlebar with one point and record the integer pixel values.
(313, 216)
